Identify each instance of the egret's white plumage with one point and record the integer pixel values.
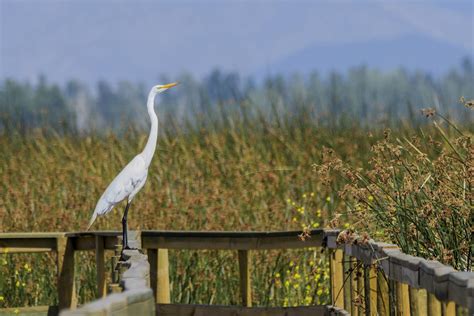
(133, 177)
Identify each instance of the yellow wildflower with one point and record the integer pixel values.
(296, 286)
(312, 194)
(319, 292)
(17, 284)
(26, 266)
(328, 199)
(297, 276)
(277, 275)
(292, 263)
(371, 198)
(304, 196)
(311, 263)
(315, 225)
(347, 225)
(295, 219)
(1, 298)
(287, 283)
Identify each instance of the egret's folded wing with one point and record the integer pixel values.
(121, 187)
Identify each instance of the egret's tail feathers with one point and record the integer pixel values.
(94, 216)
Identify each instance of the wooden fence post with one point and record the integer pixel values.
(100, 265)
(360, 287)
(403, 299)
(245, 281)
(383, 299)
(347, 283)
(418, 302)
(153, 260)
(159, 274)
(371, 290)
(449, 308)
(354, 288)
(65, 271)
(434, 306)
(337, 277)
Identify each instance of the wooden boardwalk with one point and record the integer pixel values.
(367, 278)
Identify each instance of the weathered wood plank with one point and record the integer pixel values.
(229, 240)
(347, 283)
(372, 287)
(100, 266)
(434, 306)
(30, 310)
(360, 287)
(245, 278)
(24, 244)
(163, 293)
(403, 299)
(418, 302)
(449, 308)
(153, 260)
(65, 269)
(383, 308)
(216, 310)
(337, 277)
(354, 288)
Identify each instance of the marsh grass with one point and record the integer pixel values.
(237, 174)
(416, 191)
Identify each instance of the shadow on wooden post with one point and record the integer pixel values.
(159, 275)
(337, 277)
(65, 265)
(100, 265)
(383, 308)
(245, 281)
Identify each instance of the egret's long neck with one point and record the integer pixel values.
(151, 143)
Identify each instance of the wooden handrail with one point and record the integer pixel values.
(400, 282)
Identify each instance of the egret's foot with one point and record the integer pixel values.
(123, 257)
(130, 248)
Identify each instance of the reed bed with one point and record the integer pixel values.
(241, 175)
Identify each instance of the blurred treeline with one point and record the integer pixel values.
(361, 96)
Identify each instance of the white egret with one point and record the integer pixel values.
(133, 177)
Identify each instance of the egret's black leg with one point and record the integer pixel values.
(124, 228)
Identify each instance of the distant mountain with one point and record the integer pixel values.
(411, 52)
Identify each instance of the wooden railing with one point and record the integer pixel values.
(378, 279)
(366, 277)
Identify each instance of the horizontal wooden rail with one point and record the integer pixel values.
(230, 240)
(216, 310)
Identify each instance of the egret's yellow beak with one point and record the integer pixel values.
(169, 85)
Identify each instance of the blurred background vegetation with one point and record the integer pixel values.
(361, 96)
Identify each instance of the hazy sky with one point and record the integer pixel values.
(139, 39)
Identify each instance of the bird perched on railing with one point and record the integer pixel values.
(133, 177)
